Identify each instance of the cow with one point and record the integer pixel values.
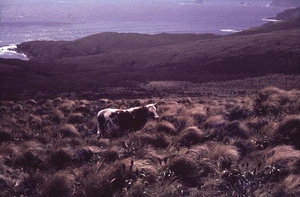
(113, 123)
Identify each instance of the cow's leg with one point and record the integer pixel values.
(101, 126)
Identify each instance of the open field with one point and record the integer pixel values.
(245, 145)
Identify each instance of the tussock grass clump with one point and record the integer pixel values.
(186, 170)
(274, 101)
(35, 122)
(290, 186)
(289, 128)
(76, 118)
(61, 184)
(68, 130)
(190, 136)
(157, 140)
(57, 100)
(111, 155)
(214, 122)
(17, 108)
(60, 158)
(284, 156)
(224, 155)
(199, 114)
(29, 160)
(180, 122)
(112, 181)
(239, 113)
(57, 116)
(236, 129)
(66, 106)
(186, 101)
(82, 155)
(83, 108)
(6, 186)
(166, 127)
(4, 109)
(9, 151)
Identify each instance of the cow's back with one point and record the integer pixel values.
(132, 120)
(108, 123)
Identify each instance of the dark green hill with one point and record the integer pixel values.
(46, 51)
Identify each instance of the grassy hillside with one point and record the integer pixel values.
(46, 51)
(126, 60)
(204, 146)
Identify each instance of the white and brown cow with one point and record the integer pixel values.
(115, 122)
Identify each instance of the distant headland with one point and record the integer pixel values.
(285, 3)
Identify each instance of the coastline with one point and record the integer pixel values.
(188, 26)
(11, 52)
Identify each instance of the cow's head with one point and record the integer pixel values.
(152, 111)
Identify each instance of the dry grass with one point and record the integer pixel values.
(224, 146)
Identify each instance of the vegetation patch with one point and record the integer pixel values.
(246, 145)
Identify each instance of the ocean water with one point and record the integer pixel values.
(27, 20)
